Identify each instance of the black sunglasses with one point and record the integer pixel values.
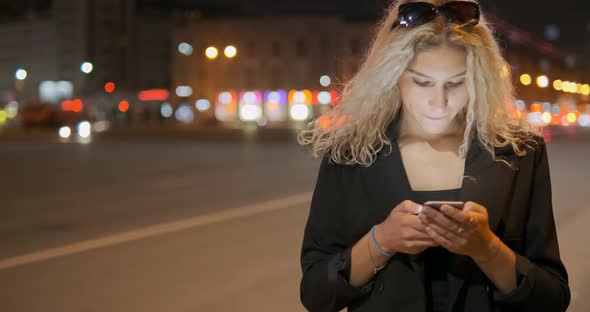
(415, 14)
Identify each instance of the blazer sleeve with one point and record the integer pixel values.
(541, 276)
(326, 249)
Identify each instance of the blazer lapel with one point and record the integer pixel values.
(387, 186)
(482, 177)
(386, 180)
(478, 186)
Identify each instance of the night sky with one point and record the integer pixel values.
(572, 17)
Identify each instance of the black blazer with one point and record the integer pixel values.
(349, 200)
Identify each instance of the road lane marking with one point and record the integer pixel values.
(157, 230)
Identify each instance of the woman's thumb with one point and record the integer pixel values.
(409, 207)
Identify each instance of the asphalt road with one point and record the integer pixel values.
(189, 225)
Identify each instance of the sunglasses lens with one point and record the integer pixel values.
(416, 14)
(461, 12)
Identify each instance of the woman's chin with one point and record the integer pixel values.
(436, 128)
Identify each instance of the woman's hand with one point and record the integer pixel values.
(465, 232)
(403, 231)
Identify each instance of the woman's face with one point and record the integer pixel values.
(434, 90)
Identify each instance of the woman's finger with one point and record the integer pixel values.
(418, 235)
(414, 222)
(454, 214)
(475, 207)
(443, 241)
(465, 219)
(453, 238)
(424, 243)
(439, 218)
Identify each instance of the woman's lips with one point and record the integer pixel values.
(435, 118)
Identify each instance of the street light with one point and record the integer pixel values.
(86, 67)
(569, 87)
(21, 74)
(211, 53)
(325, 81)
(230, 51)
(185, 48)
(542, 81)
(525, 79)
(19, 83)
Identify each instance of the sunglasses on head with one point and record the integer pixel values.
(415, 14)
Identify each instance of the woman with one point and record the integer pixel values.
(425, 118)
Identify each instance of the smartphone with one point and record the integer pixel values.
(436, 204)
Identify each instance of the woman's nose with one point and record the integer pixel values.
(438, 96)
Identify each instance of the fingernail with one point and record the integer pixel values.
(419, 209)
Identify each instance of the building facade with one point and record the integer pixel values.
(123, 46)
(285, 54)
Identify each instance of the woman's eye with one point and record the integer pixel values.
(455, 84)
(422, 83)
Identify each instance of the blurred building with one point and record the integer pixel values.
(275, 52)
(123, 46)
(232, 62)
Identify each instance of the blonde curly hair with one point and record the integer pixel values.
(354, 131)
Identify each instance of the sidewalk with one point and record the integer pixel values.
(179, 132)
(158, 132)
(17, 134)
(202, 133)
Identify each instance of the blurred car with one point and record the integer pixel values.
(35, 115)
(82, 129)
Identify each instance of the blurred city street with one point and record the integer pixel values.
(190, 225)
(148, 152)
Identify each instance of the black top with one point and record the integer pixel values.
(436, 258)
